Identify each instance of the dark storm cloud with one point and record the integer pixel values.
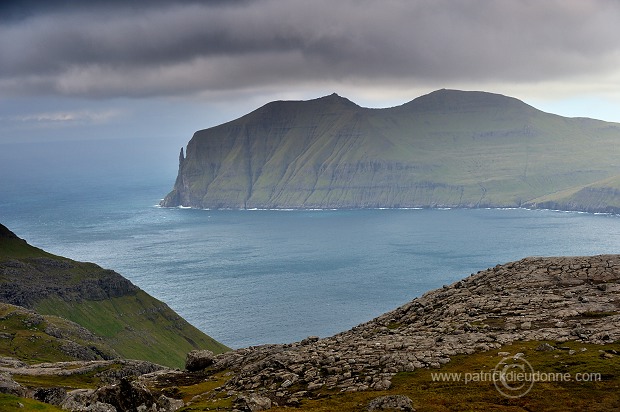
(164, 48)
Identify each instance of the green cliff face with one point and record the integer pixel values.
(446, 149)
(124, 319)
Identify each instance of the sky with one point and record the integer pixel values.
(155, 70)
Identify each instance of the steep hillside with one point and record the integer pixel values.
(128, 320)
(448, 148)
(33, 338)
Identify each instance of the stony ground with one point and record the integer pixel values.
(534, 299)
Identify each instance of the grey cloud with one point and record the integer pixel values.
(167, 48)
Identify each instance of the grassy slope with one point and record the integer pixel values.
(136, 325)
(10, 403)
(446, 148)
(32, 338)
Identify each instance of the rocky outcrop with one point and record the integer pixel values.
(548, 299)
(124, 396)
(114, 370)
(26, 282)
(123, 391)
(199, 359)
(10, 387)
(252, 403)
(391, 402)
(446, 149)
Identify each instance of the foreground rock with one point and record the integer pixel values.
(556, 299)
(391, 402)
(123, 390)
(199, 359)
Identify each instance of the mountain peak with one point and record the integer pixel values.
(449, 100)
(335, 98)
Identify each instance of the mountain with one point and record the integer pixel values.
(446, 149)
(97, 313)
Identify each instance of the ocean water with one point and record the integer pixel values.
(255, 277)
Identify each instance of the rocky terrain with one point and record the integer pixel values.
(556, 300)
(446, 149)
(534, 299)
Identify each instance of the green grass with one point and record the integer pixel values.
(10, 403)
(19, 249)
(137, 327)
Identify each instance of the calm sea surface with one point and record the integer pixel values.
(254, 277)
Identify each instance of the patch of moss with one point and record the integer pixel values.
(394, 325)
(10, 403)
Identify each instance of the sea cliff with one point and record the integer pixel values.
(446, 149)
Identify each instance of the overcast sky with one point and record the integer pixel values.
(78, 69)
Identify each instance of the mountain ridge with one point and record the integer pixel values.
(448, 148)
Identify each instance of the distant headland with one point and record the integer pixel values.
(449, 148)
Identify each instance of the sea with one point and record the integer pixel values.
(254, 277)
